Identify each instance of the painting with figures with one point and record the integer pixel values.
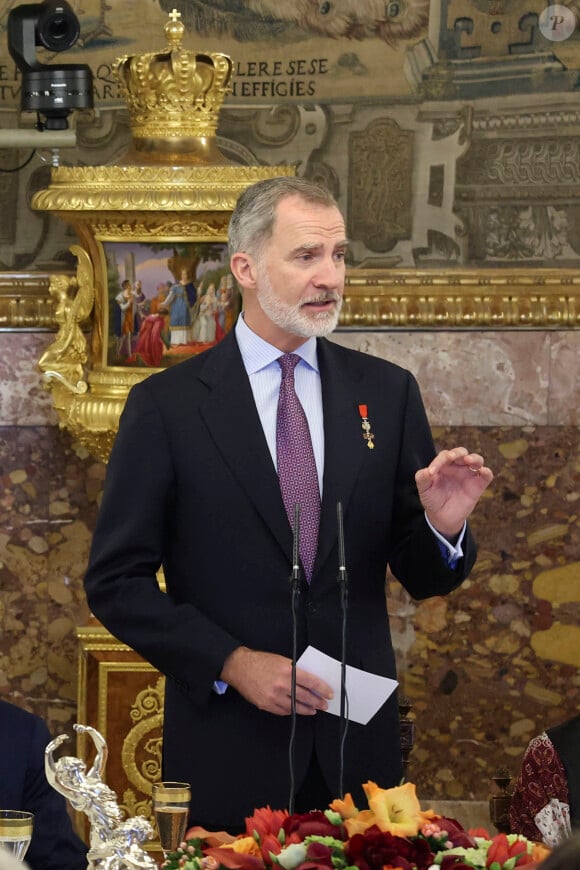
(167, 301)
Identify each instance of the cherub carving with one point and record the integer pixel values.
(64, 359)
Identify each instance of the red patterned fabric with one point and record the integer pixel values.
(542, 777)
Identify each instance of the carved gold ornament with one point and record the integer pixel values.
(173, 186)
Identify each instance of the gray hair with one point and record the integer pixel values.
(252, 220)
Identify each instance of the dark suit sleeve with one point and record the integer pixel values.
(416, 560)
(131, 538)
(54, 845)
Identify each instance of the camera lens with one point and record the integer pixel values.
(58, 27)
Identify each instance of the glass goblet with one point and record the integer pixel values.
(171, 809)
(16, 831)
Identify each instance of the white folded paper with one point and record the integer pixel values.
(366, 693)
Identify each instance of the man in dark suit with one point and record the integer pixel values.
(24, 786)
(192, 485)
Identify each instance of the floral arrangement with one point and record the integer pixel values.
(392, 834)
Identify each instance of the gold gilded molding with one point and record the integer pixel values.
(105, 669)
(114, 228)
(129, 189)
(374, 298)
(25, 302)
(94, 637)
(145, 735)
(462, 298)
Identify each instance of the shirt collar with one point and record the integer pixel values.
(257, 354)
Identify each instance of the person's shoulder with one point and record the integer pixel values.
(569, 729)
(363, 360)
(574, 722)
(185, 373)
(21, 722)
(16, 714)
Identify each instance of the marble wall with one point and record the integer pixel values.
(485, 668)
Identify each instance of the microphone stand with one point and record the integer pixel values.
(295, 585)
(343, 583)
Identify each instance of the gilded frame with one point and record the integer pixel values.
(139, 331)
(399, 299)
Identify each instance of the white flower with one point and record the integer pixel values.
(292, 856)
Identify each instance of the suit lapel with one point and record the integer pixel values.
(233, 423)
(341, 395)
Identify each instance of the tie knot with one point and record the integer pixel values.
(288, 363)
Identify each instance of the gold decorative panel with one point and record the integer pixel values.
(121, 695)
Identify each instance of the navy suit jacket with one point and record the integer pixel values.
(191, 485)
(24, 786)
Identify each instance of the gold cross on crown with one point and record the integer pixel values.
(175, 15)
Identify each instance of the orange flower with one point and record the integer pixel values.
(539, 852)
(345, 808)
(233, 860)
(428, 816)
(212, 838)
(359, 823)
(244, 846)
(396, 810)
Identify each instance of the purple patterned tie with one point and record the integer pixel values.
(296, 464)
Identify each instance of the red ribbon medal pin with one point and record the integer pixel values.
(366, 426)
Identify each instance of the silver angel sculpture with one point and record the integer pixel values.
(115, 842)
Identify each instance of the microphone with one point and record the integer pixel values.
(295, 575)
(343, 583)
(295, 585)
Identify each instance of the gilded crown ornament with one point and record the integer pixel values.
(174, 97)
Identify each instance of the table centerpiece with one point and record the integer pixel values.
(393, 833)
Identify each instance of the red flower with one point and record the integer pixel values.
(301, 825)
(375, 849)
(454, 862)
(269, 843)
(317, 855)
(479, 832)
(265, 821)
(456, 834)
(500, 851)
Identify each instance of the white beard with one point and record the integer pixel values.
(296, 319)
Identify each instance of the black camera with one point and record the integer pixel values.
(51, 91)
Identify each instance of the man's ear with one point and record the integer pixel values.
(243, 268)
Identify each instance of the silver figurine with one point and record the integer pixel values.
(115, 842)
